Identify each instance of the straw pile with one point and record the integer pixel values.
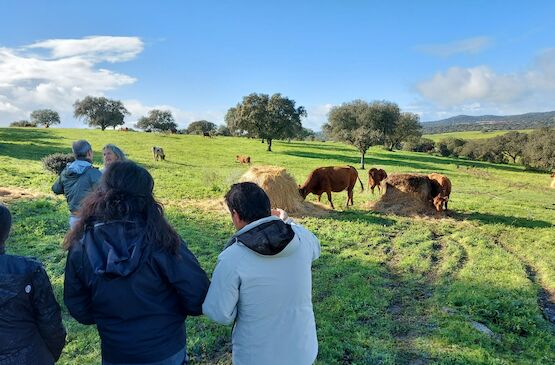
(281, 188)
(406, 194)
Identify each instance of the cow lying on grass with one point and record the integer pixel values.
(331, 179)
(158, 153)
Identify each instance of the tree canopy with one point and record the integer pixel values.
(266, 117)
(100, 112)
(363, 124)
(407, 127)
(200, 127)
(157, 121)
(46, 117)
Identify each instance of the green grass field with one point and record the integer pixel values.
(386, 290)
(470, 134)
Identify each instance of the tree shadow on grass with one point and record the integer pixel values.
(423, 157)
(369, 160)
(26, 135)
(31, 151)
(486, 218)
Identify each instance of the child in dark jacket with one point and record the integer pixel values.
(31, 329)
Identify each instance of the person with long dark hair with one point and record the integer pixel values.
(31, 329)
(130, 273)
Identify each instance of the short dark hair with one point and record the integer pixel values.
(249, 201)
(80, 149)
(5, 225)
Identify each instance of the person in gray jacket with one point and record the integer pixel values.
(263, 283)
(78, 178)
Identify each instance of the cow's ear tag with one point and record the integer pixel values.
(28, 289)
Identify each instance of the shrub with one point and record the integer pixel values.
(450, 146)
(418, 144)
(23, 123)
(56, 162)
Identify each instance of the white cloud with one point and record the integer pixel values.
(469, 46)
(95, 48)
(29, 80)
(529, 90)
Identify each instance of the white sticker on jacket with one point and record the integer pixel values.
(28, 289)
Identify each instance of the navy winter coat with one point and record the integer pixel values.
(137, 294)
(31, 329)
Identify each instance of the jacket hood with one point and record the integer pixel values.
(78, 167)
(267, 236)
(115, 248)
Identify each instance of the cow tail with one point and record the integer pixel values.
(361, 186)
(358, 177)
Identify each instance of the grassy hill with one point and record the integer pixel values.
(466, 135)
(386, 290)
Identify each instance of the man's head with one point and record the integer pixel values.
(82, 150)
(5, 225)
(247, 203)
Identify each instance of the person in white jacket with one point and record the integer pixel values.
(263, 283)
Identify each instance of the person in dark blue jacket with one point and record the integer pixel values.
(130, 273)
(31, 329)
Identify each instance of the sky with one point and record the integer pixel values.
(199, 58)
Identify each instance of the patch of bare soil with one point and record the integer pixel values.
(10, 194)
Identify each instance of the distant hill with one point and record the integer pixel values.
(490, 122)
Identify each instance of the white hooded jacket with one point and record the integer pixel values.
(269, 296)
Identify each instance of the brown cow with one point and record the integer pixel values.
(444, 190)
(331, 179)
(243, 159)
(158, 153)
(375, 178)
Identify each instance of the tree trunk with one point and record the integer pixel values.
(362, 160)
(262, 141)
(269, 142)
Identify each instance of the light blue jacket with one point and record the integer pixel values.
(270, 299)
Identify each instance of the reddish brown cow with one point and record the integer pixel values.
(375, 178)
(444, 190)
(328, 179)
(243, 159)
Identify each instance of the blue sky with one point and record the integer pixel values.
(435, 58)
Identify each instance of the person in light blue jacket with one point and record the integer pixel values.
(263, 283)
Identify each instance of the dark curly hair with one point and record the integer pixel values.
(125, 193)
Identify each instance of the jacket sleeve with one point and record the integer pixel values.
(220, 304)
(47, 314)
(77, 295)
(190, 281)
(58, 187)
(308, 238)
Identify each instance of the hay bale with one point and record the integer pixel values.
(281, 188)
(406, 194)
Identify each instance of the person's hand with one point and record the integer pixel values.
(280, 213)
